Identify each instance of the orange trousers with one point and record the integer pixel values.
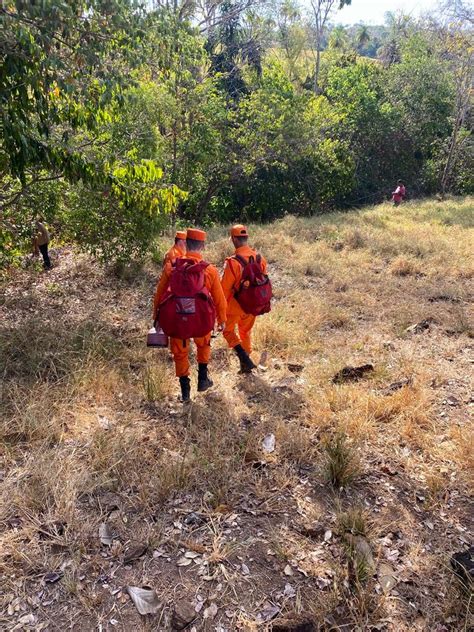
(244, 323)
(180, 350)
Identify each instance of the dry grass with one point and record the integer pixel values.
(91, 432)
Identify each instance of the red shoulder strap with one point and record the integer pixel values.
(240, 259)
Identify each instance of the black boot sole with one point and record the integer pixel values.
(246, 370)
(204, 386)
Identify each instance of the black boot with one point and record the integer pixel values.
(246, 364)
(185, 384)
(204, 382)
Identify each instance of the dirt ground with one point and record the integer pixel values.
(110, 484)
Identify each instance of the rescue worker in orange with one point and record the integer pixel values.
(177, 249)
(238, 326)
(195, 244)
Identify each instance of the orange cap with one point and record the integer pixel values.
(195, 233)
(180, 234)
(239, 230)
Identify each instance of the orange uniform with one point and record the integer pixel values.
(236, 317)
(175, 252)
(180, 348)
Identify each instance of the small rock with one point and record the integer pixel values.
(420, 327)
(463, 565)
(352, 373)
(184, 613)
(396, 386)
(452, 401)
(134, 553)
(288, 570)
(295, 368)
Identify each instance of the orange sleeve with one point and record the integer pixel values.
(217, 294)
(264, 264)
(161, 287)
(230, 278)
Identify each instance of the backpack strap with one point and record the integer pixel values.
(240, 259)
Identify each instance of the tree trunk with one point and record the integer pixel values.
(204, 203)
(317, 65)
(462, 107)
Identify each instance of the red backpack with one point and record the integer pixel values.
(255, 290)
(187, 309)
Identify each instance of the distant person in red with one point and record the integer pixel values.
(399, 194)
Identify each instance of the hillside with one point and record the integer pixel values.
(349, 523)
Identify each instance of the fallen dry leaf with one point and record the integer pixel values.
(105, 534)
(145, 599)
(210, 612)
(52, 578)
(184, 561)
(386, 577)
(268, 444)
(268, 613)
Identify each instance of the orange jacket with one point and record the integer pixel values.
(173, 253)
(233, 275)
(212, 283)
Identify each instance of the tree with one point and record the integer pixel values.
(64, 66)
(285, 148)
(362, 37)
(292, 38)
(459, 51)
(229, 49)
(338, 39)
(458, 10)
(322, 10)
(399, 27)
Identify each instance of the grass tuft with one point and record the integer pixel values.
(342, 465)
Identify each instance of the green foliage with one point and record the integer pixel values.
(66, 76)
(121, 224)
(117, 120)
(288, 159)
(55, 71)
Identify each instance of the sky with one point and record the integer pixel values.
(373, 11)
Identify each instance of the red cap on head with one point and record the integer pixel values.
(239, 230)
(195, 233)
(180, 234)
